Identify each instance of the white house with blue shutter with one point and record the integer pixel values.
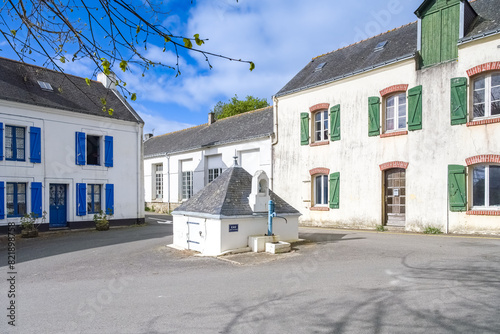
(60, 153)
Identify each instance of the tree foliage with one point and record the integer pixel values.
(114, 34)
(235, 106)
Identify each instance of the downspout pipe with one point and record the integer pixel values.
(270, 218)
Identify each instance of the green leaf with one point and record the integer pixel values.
(252, 66)
(63, 60)
(106, 66)
(87, 80)
(103, 101)
(187, 43)
(133, 97)
(167, 39)
(198, 40)
(138, 29)
(13, 32)
(110, 111)
(123, 65)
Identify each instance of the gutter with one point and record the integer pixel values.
(479, 36)
(347, 75)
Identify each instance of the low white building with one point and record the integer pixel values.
(401, 129)
(62, 154)
(177, 165)
(228, 211)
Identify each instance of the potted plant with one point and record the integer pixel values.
(29, 226)
(101, 221)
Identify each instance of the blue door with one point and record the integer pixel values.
(57, 214)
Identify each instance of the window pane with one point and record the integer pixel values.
(495, 108)
(20, 154)
(390, 102)
(89, 198)
(402, 122)
(8, 131)
(325, 189)
(93, 150)
(479, 96)
(318, 190)
(20, 133)
(479, 83)
(390, 112)
(390, 124)
(495, 80)
(478, 186)
(479, 110)
(402, 110)
(494, 185)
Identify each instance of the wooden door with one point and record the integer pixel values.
(395, 197)
(57, 213)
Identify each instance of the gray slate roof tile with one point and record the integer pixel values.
(228, 195)
(18, 83)
(249, 125)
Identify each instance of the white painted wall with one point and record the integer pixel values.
(58, 158)
(215, 237)
(357, 156)
(196, 161)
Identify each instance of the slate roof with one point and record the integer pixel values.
(401, 44)
(249, 125)
(227, 196)
(18, 83)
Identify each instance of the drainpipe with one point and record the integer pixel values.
(274, 140)
(168, 182)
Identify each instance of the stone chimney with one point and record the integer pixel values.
(108, 81)
(211, 118)
(148, 136)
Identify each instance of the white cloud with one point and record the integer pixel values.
(158, 124)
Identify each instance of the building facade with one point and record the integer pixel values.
(177, 165)
(401, 129)
(61, 154)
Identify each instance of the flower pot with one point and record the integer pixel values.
(29, 233)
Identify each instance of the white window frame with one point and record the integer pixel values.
(158, 181)
(214, 173)
(396, 116)
(486, 188)
(186, 185)
(322, 130)
(487, 98)
(324, 183)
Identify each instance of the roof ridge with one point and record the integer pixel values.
(364, 40)
(181, 130)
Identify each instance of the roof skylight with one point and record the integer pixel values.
(380, 46)
(45, 86)
(319, 67)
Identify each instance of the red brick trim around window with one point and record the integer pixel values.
(319, 208)
(393, 89)
(394, 164)
(484, 68)
(393, 134)
(319, 170)
(482, 159)
(484, 121)
(319, 143)
(483, 213)
(320, 106)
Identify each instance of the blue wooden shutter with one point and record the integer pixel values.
(81, 199)
(1, 141)
(2, 200)
(35, 145)
(373, 116)
(110, 199)
(36, 198)
(108, 151)
(80, 148)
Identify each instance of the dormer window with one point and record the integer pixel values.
(45, 86)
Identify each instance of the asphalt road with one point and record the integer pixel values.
(126, 281)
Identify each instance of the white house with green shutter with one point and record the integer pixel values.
(401, 129)
(60, 153)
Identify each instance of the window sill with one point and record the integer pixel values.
(319, 143)
(484, 121)
(483, 212)
(394, 134)
(319, 208)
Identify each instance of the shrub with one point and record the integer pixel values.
(380, 228)
(101, 221)
(432, 230)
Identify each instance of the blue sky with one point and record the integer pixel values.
(279, 36)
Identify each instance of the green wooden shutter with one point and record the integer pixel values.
(457, 190)
(458, 101)
(304, 128)
(334, 190)
(335, 122)
(415, 108)
(373, 116)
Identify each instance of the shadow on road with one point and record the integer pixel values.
(50, 244)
